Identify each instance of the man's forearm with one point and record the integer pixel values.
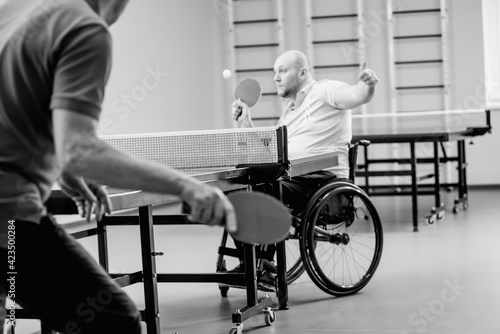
(104, 164)
(352, 96)
(364, 92)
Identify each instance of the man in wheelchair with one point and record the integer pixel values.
(317, 115)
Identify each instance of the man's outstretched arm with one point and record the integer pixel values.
(352, 96)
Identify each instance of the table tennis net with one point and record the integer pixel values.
(204, 149)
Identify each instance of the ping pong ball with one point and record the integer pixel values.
(226, 73)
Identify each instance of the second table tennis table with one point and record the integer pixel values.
(412, 129)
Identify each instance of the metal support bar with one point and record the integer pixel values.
(385, 173)
(282, 281)
(249, 46)
(419, 87)
(247, 70)
(414, 188)
(250, 274)
(366, 166)
(389, 191)
(437, 181)
(418, 36)
(237, 279)
(282, 291)
(102, 245)
(399, 12)
(336, 66)
(320, 17)
(152, 311)
(256, 21)
(246, 313)
(333, 41)
(462, 183)
(409, 62)
(223, 250)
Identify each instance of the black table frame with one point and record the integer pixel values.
(414, 189)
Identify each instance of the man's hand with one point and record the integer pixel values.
(89, 198)
(367, 76)
(209, 206)
(240, 112)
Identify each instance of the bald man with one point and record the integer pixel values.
(318, 115)
(55, 58)
(318, 120)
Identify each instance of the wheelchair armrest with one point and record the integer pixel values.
(362, 142)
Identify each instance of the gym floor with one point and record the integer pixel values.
(443, 279)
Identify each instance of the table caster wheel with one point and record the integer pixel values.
(270, 316)
(431, 219)
(465, 202)
(237, 329)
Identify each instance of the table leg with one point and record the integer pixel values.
(462, 201)
(250, 274)
(464, 176)
(437, 181)
(439, 205)
(102, 245)
(282, 282)
(151, 311)
(414, 189)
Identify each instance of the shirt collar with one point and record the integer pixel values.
(304, 91)
(300, 96)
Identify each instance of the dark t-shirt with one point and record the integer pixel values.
(55, 54)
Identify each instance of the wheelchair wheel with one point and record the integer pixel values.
(342, 239)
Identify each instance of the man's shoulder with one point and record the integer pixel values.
(55, 19)
(75, 24)
(76, 12)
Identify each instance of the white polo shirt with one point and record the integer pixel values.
(315, 124)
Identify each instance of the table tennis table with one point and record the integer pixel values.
(239, 155)
(436, 128)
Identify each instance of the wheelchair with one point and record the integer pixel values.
(338, 241)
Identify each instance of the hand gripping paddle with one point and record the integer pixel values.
(249, 91)
(262, 219)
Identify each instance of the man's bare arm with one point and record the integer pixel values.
(81, 152)
(348, 97)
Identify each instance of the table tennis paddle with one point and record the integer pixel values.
(249, 91)
(262, 219)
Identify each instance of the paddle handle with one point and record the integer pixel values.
(239, 111)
